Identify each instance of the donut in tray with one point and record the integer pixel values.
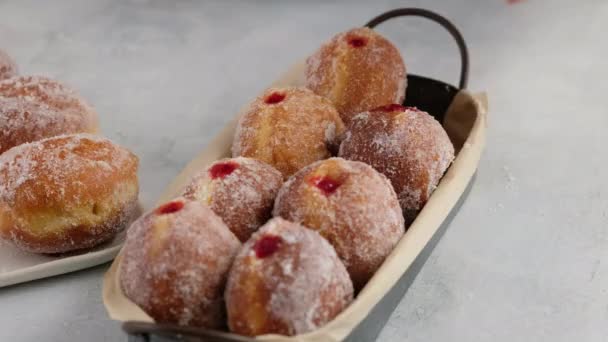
(66, 193)
(175, 263)
(357, 70)
(288, 128)
(8, 67)
(239, 190)
(287, 280)
(36, 107)
(405, 144)
(352, 206)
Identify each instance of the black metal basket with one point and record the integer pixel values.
(422, 92)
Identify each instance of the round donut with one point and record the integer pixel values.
(175, 263)
(66, 193)
(285, 280)
(357, 70)
(407, 145)
(8, 67)
(239, 190)
(351, 205)
(288, 128)
(34, 108)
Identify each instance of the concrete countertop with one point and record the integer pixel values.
(526, 258)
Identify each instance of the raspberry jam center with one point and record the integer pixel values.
(326, 184)
(357, 41)
(267, 245)
(274, 98)
(390, 108)
(221, 170)
(170, 208)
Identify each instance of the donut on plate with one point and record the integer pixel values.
(407, 145)
(66, 193)
(351, 205)
(175, 263)
(286, 280)
(357, 70)
(288, 128)
(34, 108)
(239, 190)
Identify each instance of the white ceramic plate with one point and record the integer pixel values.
(17, 266)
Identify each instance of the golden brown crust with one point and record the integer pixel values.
(8, 67)
(175, 264)
(291, 288)
(407, 145)
(82, 236)
(289, 134)
(357, 70)
(34, 108)
(66, 193)
(243, 198)
(360, 217)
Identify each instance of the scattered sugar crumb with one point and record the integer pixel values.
(509, 178)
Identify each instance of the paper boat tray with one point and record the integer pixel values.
(463, 115)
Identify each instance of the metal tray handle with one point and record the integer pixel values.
(144, 331)
(419, 12)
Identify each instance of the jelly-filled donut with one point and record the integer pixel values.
(66, 193)
(357, 70)
(351, 205)
(34, 108)
(8, 67)
(285, 280)
(288, 128)
(175, 263)
(407, 145)
(239, 190)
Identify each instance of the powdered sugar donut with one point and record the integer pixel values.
(285, 280)
(33, 108)
(288, 128)
(357, 70)
(239, 190)
(8, 67)
(407, 145)
(66, 193)
(175, 263)
(352, 206)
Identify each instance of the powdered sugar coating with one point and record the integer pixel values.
(243, 199)
(35, 107)
(357, 78)
(361, 218)
(66, 192)
(298, 288)
(290, 134)
(409, 147)
(8, 67)
(175, 265)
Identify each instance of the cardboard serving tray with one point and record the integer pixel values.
(465, 123)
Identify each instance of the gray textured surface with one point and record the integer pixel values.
(526, 259)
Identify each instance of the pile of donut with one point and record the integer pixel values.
(62, 187)
(340, 166)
